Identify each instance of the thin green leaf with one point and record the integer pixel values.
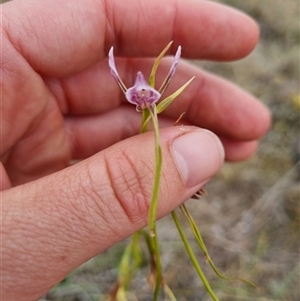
(121, 295)
(194, 227)
(169, 293)
(130, 262)
(124, 268)
(167, 101)
(151, 80)
(200, 241)
(136, 250)
(193, 257)
(146, 116)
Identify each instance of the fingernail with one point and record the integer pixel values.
(198, 155)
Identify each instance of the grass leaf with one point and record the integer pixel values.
(200, 241)
(167, 101)
(151, 80)
(193, 257)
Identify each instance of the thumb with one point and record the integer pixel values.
(60, 221)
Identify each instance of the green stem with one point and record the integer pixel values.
(193, 257)
(158, 166)
(131, 261)
(158, 275)
(154, 202)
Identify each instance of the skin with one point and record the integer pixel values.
(59, 102)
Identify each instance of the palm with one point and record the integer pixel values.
(56, 124)
(39, 143)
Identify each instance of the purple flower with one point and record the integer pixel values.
(141, 93)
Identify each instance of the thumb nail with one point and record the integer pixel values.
(198, 155)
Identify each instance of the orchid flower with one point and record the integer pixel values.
(144, 95)
(141, 93)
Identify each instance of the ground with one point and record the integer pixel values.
(250, 219)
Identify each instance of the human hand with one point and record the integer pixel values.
(59, 102)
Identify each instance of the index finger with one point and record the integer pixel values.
(60, 38)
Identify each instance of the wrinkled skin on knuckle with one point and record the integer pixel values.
(95, 193)
(131, 180)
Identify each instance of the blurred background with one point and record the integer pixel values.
(250, 218)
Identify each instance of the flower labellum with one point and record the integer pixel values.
(141, 93)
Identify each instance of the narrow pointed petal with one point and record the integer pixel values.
(166, 82)
(142, 94)
(113, 70)
(167, 101)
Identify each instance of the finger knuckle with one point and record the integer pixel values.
(130, 181)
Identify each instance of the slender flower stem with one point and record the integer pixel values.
(154, 202)
(158, 275)
(158, 167)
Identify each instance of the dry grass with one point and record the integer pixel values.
(250, 221)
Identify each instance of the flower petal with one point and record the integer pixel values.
(166, 82)
(142, 94)
(113, 70)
